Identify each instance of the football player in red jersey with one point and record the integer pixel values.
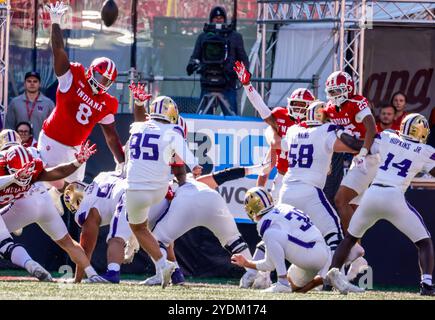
(280, 119)
(30, 203)
(82, 101)
(350, 110)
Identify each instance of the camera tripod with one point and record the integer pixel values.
(214, 100)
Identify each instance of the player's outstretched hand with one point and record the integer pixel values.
(23, 175)
(56, 11)
(86, 151)
(360, 160)
(238, 260)
(139, 94)
(242, 73)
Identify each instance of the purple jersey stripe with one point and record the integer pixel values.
(266, 224)
(307, 245)
(328, 208)
(161, 217)
(114, 226)
(82, 218)
(418, 216)
(433, 157)
(179, 130)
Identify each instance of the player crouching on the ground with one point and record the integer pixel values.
(402, 157)
(30, 203)
(96, 205)
(288, 235)
(195, 204)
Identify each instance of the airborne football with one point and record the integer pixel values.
(201, 150)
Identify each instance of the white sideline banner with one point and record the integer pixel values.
(225, 142)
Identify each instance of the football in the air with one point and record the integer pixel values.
(109, 12)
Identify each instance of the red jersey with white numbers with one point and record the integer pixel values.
(346, 115)
(284, 121)
(78, 110)
(14, 191)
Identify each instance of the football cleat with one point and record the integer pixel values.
(247, 280)
(262, 281)
(96, 279)
(427, 290)
(177, 277)
(337, 280)
(112, 276)
(166, 273)
(37, 271)
(278, 287)
(131, 248)
(155, 280)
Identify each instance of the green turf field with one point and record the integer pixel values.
(23, 288)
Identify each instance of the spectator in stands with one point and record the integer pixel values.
(399, 101)
(386, 118)
(216, 50)
(32, 106)
(25, 131)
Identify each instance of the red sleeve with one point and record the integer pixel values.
(39, 167)
(76, 68)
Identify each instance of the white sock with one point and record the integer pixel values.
(90, 271)
(283, 281)
(113, 267)
(426, 278)
(164, 253)
(161, 263)
(20, 256)
(176, 265)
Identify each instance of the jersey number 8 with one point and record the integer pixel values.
(83, 114)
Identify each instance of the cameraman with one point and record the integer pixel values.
(216, 50)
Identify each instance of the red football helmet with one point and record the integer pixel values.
(101, 74)
(339, 87)
(298, 103)
(17, 157)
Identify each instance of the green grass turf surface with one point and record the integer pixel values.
(17, 285)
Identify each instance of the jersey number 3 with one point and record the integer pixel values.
(83, 114)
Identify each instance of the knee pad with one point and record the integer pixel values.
(236, 246)
(6, 247)
(228, 174)
(260, 246)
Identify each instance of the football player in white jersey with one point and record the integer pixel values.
(153, 145)
(288, 235)
(310, 148)
(96, 205)
(30, 203)
(402, 157)
(195, 204)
